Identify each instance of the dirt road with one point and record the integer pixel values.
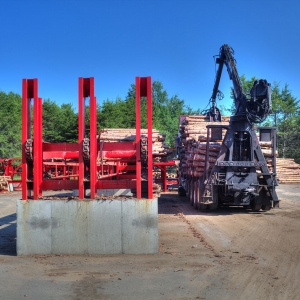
(231, 254)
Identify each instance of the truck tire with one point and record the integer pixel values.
(215, 204)
(181, 191)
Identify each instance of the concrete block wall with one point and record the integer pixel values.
(87, 226)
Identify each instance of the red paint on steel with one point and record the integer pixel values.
(25, 133)
(29, 92)
(119, 146)
(86, 89)
(163, 171)
(37, 147)
(119, 154)
(56, 185)
(81, 133)
(138, 137)
(119, 160)
(116, 184)
(143, 89)
(93, 140)
(60, 147)
(150, 157)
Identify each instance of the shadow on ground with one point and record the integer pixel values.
(8, 235)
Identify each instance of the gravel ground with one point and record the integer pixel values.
(229, 254)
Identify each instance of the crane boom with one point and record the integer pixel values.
(257, 105)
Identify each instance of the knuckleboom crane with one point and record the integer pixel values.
(233, 179)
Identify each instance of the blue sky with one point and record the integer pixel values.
(173, 41)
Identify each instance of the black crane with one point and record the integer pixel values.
(240, 175)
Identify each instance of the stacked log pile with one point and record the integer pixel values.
(160, 150)
(194, 128)
(193, 132)
(4, 183)
(287, 170)
(157, 175)
(159, 147)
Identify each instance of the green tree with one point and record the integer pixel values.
(68, 125)
(286, 116)
(247, 85)
(51, 121)
(10, 124)
(165, 111)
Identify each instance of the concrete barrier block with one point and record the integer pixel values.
(104, 227)
(123, 192)
(69, 227)
(140, 226)
(105, 192)
(34, 227)
(87, 226)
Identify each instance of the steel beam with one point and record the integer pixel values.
(37, 147)
(81, 135)
(138, 137)
(29, 92)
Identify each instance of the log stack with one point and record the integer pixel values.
(160, 150)
(287, 170)
(159, 147)
(194, 128)
(193, 132)
(4, 183)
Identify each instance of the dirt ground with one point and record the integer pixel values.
(229, 254)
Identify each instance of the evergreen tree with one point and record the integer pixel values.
(10, 124)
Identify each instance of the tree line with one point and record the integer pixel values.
(60, 122)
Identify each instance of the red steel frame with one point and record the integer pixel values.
(143, 89)
(163, 171)
(32, 172)
(86, 89)
(29, 92)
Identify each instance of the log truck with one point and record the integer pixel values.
(240, 175)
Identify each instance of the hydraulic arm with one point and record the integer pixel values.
(241, 175)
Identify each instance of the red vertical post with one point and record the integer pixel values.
(93, 140)
(29, 91)
(81, 134)
(149, 116)
(164, 177)
(86, 89)
(138, 137)
(144, 89)
(37, 145)
(25, 135)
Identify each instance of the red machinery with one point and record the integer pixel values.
(11, 167)
(81, 165)
(10, 172)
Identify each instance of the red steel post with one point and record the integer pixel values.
(149, 116)
(93, 140)
(25, 135)
(29, 91)
(37, 146)
(144, 89)
(138, 137)
(81, 135)
(86, 89)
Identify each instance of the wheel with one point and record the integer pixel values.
(196, 193)
(255, 205)
(202, 206)
(215, 198)
(191, 192)
(266, 207)
(181, 191)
